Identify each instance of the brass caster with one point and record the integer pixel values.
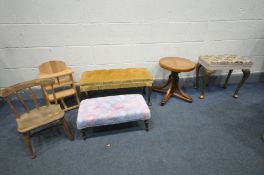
(235, 96)
(201, 97)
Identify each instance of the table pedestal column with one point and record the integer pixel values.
(173, 89)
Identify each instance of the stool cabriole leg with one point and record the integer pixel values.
(227, 78)
(246, 73)
(146, 122)
(207, 74)
(196, 84)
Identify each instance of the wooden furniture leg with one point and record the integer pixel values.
(246, 73)
(83, 135)
(149, 92)
(196, 84)
(207, 74)
(146, 122)
(173, 89)
(227, 78)
(67, 129)
(26, 137)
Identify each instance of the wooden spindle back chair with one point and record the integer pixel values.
(38, 116)
(64, 84)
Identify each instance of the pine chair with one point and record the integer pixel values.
(64, 85)
(39, 116)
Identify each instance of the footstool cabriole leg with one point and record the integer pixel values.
(207, 74)
(196, 84)
(246, 73)
(146, 122)
(227, 78)
(83, 135)
(149, 92)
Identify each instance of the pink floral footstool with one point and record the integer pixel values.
(112, 110)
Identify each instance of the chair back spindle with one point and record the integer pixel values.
(26, 87)
(33, 97)
(20, 98)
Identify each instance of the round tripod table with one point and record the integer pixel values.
(176, 65)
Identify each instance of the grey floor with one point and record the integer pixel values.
(218, 135)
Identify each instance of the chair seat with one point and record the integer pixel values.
(62, 94)
(112, 110)
(39, 117)
(220, 62)
(115, 79)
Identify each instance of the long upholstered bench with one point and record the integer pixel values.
(111, 110)
(116, 79)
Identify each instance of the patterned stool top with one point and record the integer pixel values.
(225, 60)
(112, 110)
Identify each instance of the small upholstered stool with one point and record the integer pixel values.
(112, 110)
(211, 63)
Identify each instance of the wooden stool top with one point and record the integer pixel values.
(177, 64)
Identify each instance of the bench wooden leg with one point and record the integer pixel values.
(83, 134)
(149, 95)
(146, 122)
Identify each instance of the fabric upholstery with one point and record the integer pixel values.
(115, 79)
(112, 110)
(225, 60)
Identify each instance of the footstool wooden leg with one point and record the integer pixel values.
(83, 135)
(227, 78)
(207, 74)
(149, 92)
(27, 141)
(246, 73)
(146, 122)
(196, 84)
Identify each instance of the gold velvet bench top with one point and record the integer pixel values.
(115, 79)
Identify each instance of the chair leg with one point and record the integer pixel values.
(77, 99)
(27, 141)
(146, 122)
(196, 84)
(246, 73)
(67, 129)
(227, 78)
(83, 135)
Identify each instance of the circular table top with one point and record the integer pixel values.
(177, 64)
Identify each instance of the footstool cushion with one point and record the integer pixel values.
(112, 110)
(222, 62)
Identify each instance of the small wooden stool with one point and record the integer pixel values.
(175, 65)
(211, 63)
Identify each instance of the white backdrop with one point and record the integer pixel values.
(96, 34)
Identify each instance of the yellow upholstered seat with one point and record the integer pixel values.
(115, 79)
